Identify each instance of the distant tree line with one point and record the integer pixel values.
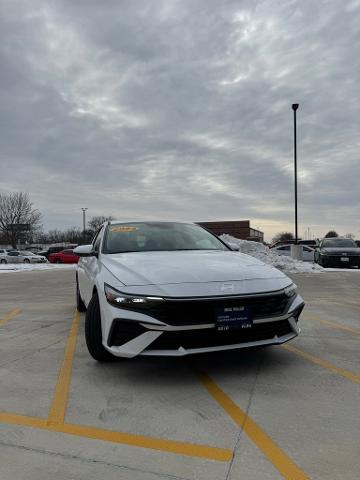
(74, 234)
(20, 223)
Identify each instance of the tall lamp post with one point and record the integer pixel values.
(84, 222)
(295, 106)
(296, 250)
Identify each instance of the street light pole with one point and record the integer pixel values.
(295, 106)
(84, 222)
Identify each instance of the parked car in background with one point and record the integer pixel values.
(3, 254)
(357, 242)
(338, 252)
(65, 256)
(309, 243)
(16, 256)
(307, 252)
(57, 249)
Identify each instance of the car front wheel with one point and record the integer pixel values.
(93, 333)
(3, 261)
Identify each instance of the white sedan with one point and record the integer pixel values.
(166, 288)
(308, 252)
(17, 256)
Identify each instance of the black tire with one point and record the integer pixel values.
(93, 333)
(26, 260)
(79, 303)
(3, 261)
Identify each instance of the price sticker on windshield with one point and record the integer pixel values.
(123, 229)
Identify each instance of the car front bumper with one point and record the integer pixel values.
(128, 334)
(339, 261)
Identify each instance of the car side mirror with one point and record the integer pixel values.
(85, 251)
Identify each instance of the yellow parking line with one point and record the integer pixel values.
(331, 302)
(332, 324)
(286, 467)
(9, 316)
(170, 446)
(323, 363)
(60, 399)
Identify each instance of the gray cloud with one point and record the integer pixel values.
(182, 109)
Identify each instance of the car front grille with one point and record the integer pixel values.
(203, 311)
(210, 337)
(336, 260)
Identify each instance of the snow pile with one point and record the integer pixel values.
(27, 267)
(266, 255)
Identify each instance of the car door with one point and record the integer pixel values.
(13, 257)
(88, 268)
(67, 256)
(283, 250)
(308, 254)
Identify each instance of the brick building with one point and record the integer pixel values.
(237, 228)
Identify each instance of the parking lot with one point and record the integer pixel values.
(280, 412)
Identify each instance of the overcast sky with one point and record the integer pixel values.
(182, 109)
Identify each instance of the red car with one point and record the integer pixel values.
(65, 256)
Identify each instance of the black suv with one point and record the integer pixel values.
(337, 252)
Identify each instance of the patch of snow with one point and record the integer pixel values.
(26, 267)
(266, 255)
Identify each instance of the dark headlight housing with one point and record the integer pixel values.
(130, 302)
(290, 291)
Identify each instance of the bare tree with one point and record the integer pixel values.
(18, 217)
(350, 235)
(283, 236)
(331, 233)
(95, 222)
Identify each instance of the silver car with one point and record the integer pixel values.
(307, 252)
(16, 256)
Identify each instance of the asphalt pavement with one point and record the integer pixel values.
(289, 411)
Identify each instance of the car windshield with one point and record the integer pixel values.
(28, 254)
(338, 242)
(162, 236)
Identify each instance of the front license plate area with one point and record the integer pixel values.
(233, 318)
(344, 259)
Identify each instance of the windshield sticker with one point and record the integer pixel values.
(123, 228)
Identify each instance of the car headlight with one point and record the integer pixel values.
(132, 302)
(290, 291)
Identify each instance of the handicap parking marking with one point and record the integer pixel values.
(286, 467)
(8, 316)
(323, 363)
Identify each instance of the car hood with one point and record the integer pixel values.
(188, 273)
(334, 250)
